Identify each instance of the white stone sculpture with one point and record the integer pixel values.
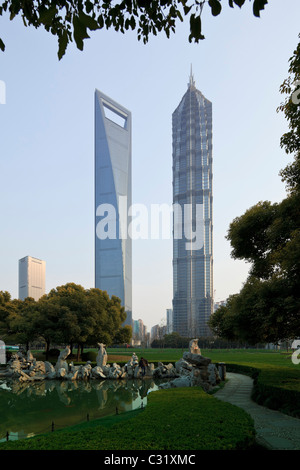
(61, 362)
(193, 347)
(101, 358)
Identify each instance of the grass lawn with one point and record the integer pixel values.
(277, 379)
(184, 418)
(241, 356)
(177, 419)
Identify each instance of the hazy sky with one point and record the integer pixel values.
(47, 139)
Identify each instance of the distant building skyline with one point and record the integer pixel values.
(32, 278)
(192, 189)
(139, 333)
(113, 189)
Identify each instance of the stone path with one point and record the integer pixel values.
(275, 430)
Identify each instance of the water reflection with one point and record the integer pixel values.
(34, 408)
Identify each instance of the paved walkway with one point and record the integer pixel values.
(274, 430)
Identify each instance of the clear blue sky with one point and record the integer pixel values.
(47, 139)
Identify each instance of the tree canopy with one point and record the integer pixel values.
(68, 314)
(72, 20)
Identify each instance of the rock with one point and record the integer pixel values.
(30, 357)
(149, 370)
(192, 370)
(85, 371)
(165, 371)
(61, 373)
(137, 372)
(38, 366)
(49, 368)
(222, 371)
(73, 375)
(106, 370)
(97, 372)
(181, 382)
(15, 365)
(196, 359)
(24, 377)
(178, 382)
(51, 375)
(130, 371)
(213, 375)
(183, 364)
(134, 359)
(62, 365)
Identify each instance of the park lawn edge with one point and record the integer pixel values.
(174, 419)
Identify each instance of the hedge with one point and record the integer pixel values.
(277, 388)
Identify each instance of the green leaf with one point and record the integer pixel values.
(215, 6)
(63, 41)
(100, 21)
(79, 32)
(239, 3)
(89, 6)
(186, 9)
(2, 45)
(259, 5)
(195, 28)
(88, 21)
(132, 22)
(46, 16)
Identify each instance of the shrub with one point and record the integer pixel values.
(53, 352)
(276, 387)
(89, 356)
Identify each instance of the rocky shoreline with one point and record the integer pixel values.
(192, 369)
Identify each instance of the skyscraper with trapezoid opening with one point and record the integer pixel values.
(193, 194)
(113, 197)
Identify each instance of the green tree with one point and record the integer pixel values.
(267, 309)
(81, 316)
(73, 20)
(5, 299)
(24, 322)
(123, 335)
(48, 322)
(67, 305)
(290, 141)
(223, 322)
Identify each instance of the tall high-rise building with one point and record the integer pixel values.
(113, 198)
(192, 193)
(32, 278)
(169, 320)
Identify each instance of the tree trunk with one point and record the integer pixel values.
(47, 349)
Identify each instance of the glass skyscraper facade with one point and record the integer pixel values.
(192, 193)
(113, 198)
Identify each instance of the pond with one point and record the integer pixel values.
(28, 409)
